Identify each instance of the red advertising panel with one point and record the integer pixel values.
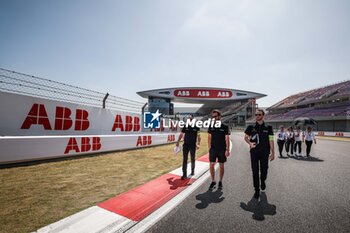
(203, 93)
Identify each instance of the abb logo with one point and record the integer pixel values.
(339, 134)
(203, 93)
(183, 93)
(131, 123)
(85, 145)
(171, 138)
(144, 140)
(63, 121)
(320, 133)
(224, 94)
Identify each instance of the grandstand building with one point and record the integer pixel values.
(236, 105)
(329, 106)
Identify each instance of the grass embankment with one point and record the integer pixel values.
(34, 196)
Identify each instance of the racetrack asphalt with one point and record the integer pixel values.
(302, 195)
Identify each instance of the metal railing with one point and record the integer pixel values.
(19, 83)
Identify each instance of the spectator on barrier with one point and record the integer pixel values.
(309, 137)
(192, 137)
(298, 137)
(290, 141)
(281, 139)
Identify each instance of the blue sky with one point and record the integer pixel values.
(273, 47)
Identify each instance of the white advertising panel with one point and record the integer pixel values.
(27, 148)
(30, 116)
(34, 128)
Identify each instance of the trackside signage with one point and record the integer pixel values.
(34, 128)
(28, 148)
(30, 116)
(203, 93)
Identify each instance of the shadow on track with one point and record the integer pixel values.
(259, 208)
(178, 183)
(309, 158)
(208, 198)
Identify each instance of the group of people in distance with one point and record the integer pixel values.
(293, 139)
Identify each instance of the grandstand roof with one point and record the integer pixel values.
(200, 95)
(227, 100)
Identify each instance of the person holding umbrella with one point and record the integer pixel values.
(309, 137)
(306, 121)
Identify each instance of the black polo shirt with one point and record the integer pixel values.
(260, 134)
(190, 135)
(218, 134)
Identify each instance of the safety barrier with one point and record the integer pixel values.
(29, 148)
(35, 128)
(333, 134)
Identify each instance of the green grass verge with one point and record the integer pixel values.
(34, 196)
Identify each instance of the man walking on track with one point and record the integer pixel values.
(260, 139)
(218, 143)
(190, 145)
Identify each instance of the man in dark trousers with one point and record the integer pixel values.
(190, 145)
(260, 139)
(218, 143)
(281, 139)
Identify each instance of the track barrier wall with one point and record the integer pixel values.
(35, 128)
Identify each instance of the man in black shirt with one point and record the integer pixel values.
(218, 143)
(190, 145)
(260, 139)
